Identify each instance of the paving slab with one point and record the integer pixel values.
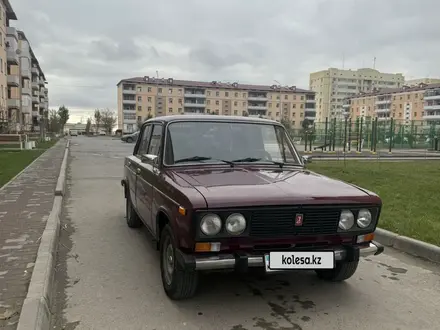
(25, 205)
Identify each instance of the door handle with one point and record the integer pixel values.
(138, 171)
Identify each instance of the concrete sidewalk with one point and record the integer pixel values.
(25, 204)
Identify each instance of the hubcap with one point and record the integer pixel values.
(168, 261)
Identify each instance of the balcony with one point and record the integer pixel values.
(194, 105)
(41, 82)
(129, 121)
(26, 110)
(435, 116)
(35, 85)
(129, 101)
(12, 56)
(130, 111)
(35, 71)
(261, 98)
(35, 99)
(26, 73)
(196, 95)
(13, 81)
(432, 95)
(12, 32)
(26, 90)
(382, 110)
(129, 91)
(310, 101)
(346, 106)
(383, 102)
(383, 118)
(432, 107)
(14, 103)
(257, 107)
(312, 118)
(194, 111)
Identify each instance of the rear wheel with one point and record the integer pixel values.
(178, 283)
(133, 220)
(342, 271)
(129, 140)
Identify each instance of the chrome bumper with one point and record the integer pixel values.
(243, 261)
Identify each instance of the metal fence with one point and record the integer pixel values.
(365, 134)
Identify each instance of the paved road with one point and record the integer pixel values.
(108, 275)
(25, 204)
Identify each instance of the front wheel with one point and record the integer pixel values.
(343, 271)
(178, 283)
(129, 140)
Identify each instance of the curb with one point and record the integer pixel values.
(409, 245)
(60, 188)
(35, 313)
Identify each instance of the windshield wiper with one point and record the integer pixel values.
(254, 159)
(200, 159)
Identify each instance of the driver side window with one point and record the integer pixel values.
(144, 141)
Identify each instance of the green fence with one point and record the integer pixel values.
(365, 134)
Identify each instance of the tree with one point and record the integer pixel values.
(88, 125)
(108, 120)
(286, 123)
(63, 114)
(53, 122)
(98, 119)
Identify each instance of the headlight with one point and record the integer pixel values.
(346, 220)
(235, 224)
(211, 224)
(364, 218)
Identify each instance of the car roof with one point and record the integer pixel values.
(218, 118)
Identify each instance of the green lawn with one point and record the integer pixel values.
(410, 192)
(12, 161)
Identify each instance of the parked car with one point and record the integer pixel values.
(130, 138)
(73, 132)
(233, 193)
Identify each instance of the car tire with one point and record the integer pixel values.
(342, 271)
(133, 220)
(129, 140)
(178, 283)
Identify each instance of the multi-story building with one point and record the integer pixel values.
(416, 82)
(34, 92)
(141, 97)
(333, 85)
(405, 104)
(8, 55)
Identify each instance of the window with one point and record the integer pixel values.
(160, 90)
(244, 95)
(217, 102)
(180, 101)
(235, 103)
(180, 91)
(139, 98)
(294, 106)
(226, 94)
(208, 93)
(244, 103)
(208, 101)
(145, 139)
(149, 99)
(155, 140)
(139, 108)
(139, 89)
(139, 118)
(170, 100)
(286, 97)
(302, 97)
(170, 91)
(217, 93)
(149, 108)
(236, 94)
(149, 89)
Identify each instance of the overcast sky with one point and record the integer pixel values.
(86, 46)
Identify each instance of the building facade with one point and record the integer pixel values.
(333, 85)
(143, 97)
(8, 109)
(416, 82)
(417, 103)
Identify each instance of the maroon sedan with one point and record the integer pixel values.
(220, 192)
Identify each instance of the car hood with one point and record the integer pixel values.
(240, 186)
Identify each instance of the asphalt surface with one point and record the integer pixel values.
(108, 275)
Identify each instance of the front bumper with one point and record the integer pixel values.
(241, 261)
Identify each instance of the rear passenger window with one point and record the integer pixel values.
(155, 141)
(144, 140)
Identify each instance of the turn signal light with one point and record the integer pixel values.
(365, 238)
(207, 247)
(182, 210)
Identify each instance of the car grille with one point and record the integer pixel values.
(278, 222)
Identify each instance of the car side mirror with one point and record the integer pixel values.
(148, 158)
(307, 159)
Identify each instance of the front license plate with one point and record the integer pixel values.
(300, 260)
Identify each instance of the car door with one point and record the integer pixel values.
(141, 149)
(147, 175)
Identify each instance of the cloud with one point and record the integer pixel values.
(85, 47)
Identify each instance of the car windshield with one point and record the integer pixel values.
(214, 141)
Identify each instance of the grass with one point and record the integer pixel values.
(409, 191)
(13, 162)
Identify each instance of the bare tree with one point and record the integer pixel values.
(98, 119)
(88, 125)
(108, 119)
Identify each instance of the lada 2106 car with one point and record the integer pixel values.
(220, 192)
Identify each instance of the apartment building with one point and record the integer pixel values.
(34, 93)
(141, 97)
(416, 82)
(333, 85)
(8, 108)
(405, 104)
